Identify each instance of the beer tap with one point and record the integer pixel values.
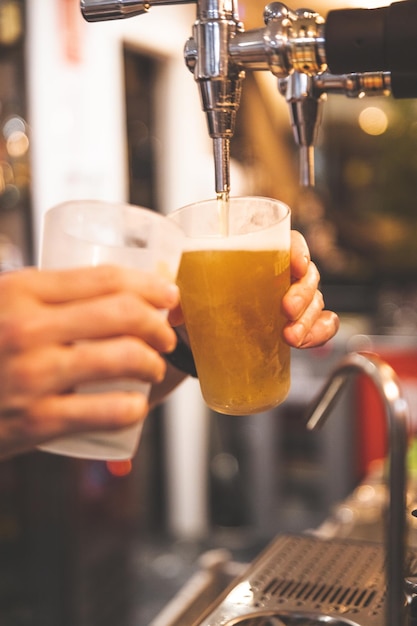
(305, 105)
(219, 78)
(206, 55)
(219, 51)
(354, 52)
(305, 96)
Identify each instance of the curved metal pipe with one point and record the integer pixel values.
(397, 416)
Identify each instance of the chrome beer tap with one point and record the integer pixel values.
(219, 51)
(305, 96)
(291, 46)
(219, 78)
(353, 52)
(206, 55)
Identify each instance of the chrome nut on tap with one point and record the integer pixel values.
(307, 35)
(289, 41)
(295, 39)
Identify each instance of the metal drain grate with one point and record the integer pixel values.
(262, 621)
(311, 578)
(320, 594)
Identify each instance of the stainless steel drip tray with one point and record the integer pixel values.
(299, 580)
(300, 576)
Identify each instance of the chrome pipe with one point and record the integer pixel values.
(397, 418)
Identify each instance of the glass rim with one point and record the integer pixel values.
(233, 200)
(89, 203)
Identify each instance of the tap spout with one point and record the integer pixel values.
(305, 105)
(397, 416)
(218, 77)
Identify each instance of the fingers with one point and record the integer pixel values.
(58, 369)
(300, 255)
(62, 286)
(84, 413)
(110, 316)
(55, 416)
(301, 293)
(122, 312)
(309, 324)
(313, 329)
(175, 316)
(60, 330)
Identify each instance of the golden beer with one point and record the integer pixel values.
(231, 301)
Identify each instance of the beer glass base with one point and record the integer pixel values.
(100, 446)
(232, 409)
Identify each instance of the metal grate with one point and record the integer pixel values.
(309, 579)
(262, 621)
(320, 594)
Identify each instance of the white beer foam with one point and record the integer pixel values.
(235, 243)
(273, 238)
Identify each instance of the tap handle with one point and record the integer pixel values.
(375, 40)
(103, 10)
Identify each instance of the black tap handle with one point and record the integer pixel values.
(375, 40)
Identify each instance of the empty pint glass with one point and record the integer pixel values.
(85, 233)
(233, 274)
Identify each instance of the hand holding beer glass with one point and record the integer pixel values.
(234, 272)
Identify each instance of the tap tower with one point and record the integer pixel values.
(353, 52)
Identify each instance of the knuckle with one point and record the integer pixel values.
(15, 334)
(13, 404)
(320, 299)
(7, 286)
(314, 272)
(26, 376)
(162, 369)
(140, 359)
(334, 322)
(13, 283)
(10, 281)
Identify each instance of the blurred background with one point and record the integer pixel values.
(109, 111)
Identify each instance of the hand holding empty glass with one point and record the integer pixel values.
(86, 233)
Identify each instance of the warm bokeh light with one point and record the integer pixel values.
(14, 131)
(119, 468)
(373, 121)
(17, 144)
(12, 125)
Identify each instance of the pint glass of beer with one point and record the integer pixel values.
(234, 271)
(84, 233)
